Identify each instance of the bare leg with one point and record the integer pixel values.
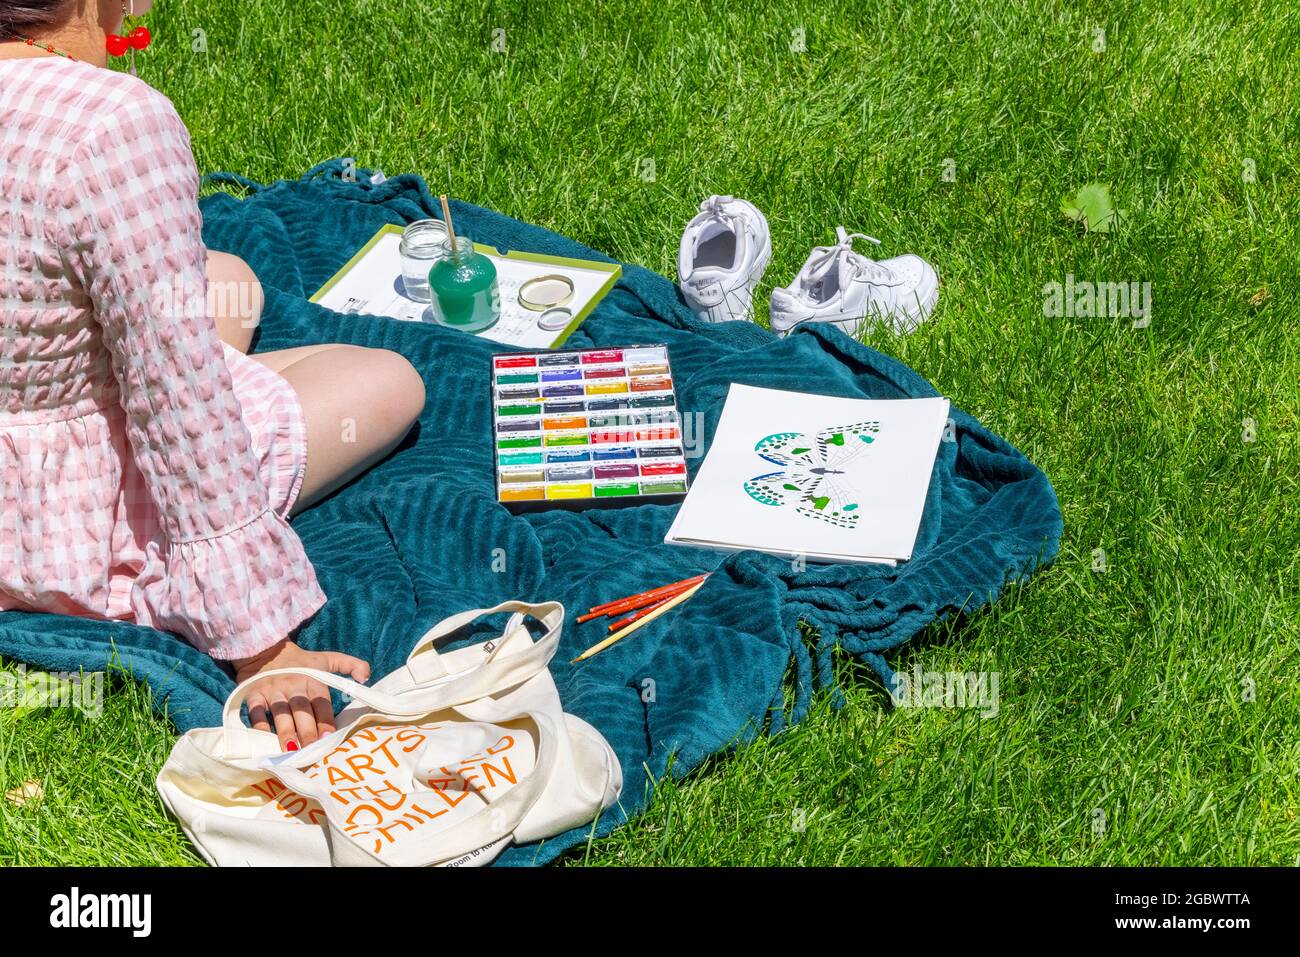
(234, 299)
(359, 404)
(281, 359)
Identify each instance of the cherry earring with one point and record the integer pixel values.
(137, 38)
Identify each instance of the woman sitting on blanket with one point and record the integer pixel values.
(148, 466)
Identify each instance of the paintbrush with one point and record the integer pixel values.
(446, 219)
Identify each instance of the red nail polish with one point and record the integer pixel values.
(291, 746)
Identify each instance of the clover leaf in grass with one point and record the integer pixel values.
(1092, 207)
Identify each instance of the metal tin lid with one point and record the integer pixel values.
(554, 320)
(546, 292)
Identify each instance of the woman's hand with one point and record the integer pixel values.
(298, 706)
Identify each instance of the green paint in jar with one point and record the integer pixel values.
(463, 286)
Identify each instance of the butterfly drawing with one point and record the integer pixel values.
(821, 478)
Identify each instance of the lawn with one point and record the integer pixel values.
(1150, 679)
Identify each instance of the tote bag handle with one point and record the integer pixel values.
(495, 672)
(425, 664)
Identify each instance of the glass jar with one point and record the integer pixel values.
(463, 283)
(421, 246)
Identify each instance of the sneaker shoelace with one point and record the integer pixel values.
(715, 207)
(864, 266)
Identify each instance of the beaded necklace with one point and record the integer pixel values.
(47, 47)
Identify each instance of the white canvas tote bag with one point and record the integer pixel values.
(445, 761)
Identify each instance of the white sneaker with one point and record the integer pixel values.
(724, 253)
(841, 286)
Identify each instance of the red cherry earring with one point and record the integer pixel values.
(137, 38)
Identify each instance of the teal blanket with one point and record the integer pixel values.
(421, 537)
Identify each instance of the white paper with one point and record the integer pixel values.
(374, 285)
(843, 480)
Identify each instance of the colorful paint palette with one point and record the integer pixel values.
(586, 428)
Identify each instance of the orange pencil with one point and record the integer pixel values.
(645, 594)
(653, 593)
(638, 601)
(641, 613)
(635, 602)
(622, 633)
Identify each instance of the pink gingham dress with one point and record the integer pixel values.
(146, 469)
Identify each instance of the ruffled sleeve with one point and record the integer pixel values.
(226, 571)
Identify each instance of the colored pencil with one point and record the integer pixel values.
(645, 597)
(635, 602)
(619, 635)
(639, 613)
(632, 604)
(650, 593)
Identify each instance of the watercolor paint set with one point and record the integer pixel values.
(586, 428)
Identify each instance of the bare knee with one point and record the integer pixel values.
(234, 298)
(377, 393)
(401, 389)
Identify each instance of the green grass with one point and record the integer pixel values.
(1121, 690)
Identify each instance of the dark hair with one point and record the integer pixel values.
(27, 16)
